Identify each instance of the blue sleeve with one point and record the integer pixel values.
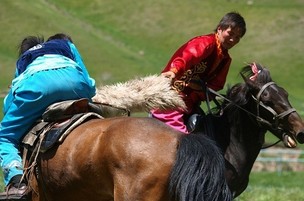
(78, 58)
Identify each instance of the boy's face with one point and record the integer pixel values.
(229, 37)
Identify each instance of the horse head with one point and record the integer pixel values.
(252, 108)
(273, 108)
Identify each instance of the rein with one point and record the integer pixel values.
(260, 120)
(228, 100)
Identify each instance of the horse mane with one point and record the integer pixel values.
(263, 75)
(239, 93)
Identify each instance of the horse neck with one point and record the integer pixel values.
(246, 140)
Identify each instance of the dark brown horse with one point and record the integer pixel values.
(249, 111)
(130, 158)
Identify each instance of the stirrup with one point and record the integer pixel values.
(15, 194)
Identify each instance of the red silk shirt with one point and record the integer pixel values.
(200, 60)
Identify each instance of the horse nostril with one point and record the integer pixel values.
(300, 137)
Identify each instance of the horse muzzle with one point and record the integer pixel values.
(300, 137)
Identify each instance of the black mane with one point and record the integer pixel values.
(239, 93)
(263, 75)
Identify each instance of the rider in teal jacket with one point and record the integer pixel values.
(49, 72)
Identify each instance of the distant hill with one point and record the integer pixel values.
(120, 40)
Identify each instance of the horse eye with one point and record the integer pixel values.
(266, 96)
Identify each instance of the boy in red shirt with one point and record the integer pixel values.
(205, 60)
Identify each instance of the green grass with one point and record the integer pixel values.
(264, 186)
(120, 40)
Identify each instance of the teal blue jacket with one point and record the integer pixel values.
(49, 78)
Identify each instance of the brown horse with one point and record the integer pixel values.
(249, 111)
(129, 158)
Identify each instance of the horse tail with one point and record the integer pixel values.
(198, 172)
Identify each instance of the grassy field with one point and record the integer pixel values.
(120, 40)
(265, 186)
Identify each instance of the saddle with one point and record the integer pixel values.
(59, 119)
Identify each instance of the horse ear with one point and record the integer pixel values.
(249, 82)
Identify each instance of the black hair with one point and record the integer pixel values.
(60, 36)
(232, 19)
(29, 42)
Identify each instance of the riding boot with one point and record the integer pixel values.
(15, 190)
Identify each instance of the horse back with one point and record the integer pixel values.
(117, 157)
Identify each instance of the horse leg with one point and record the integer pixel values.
(141, 161)
(35, 192)
(144, 187)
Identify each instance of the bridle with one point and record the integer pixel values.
(276, 117)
